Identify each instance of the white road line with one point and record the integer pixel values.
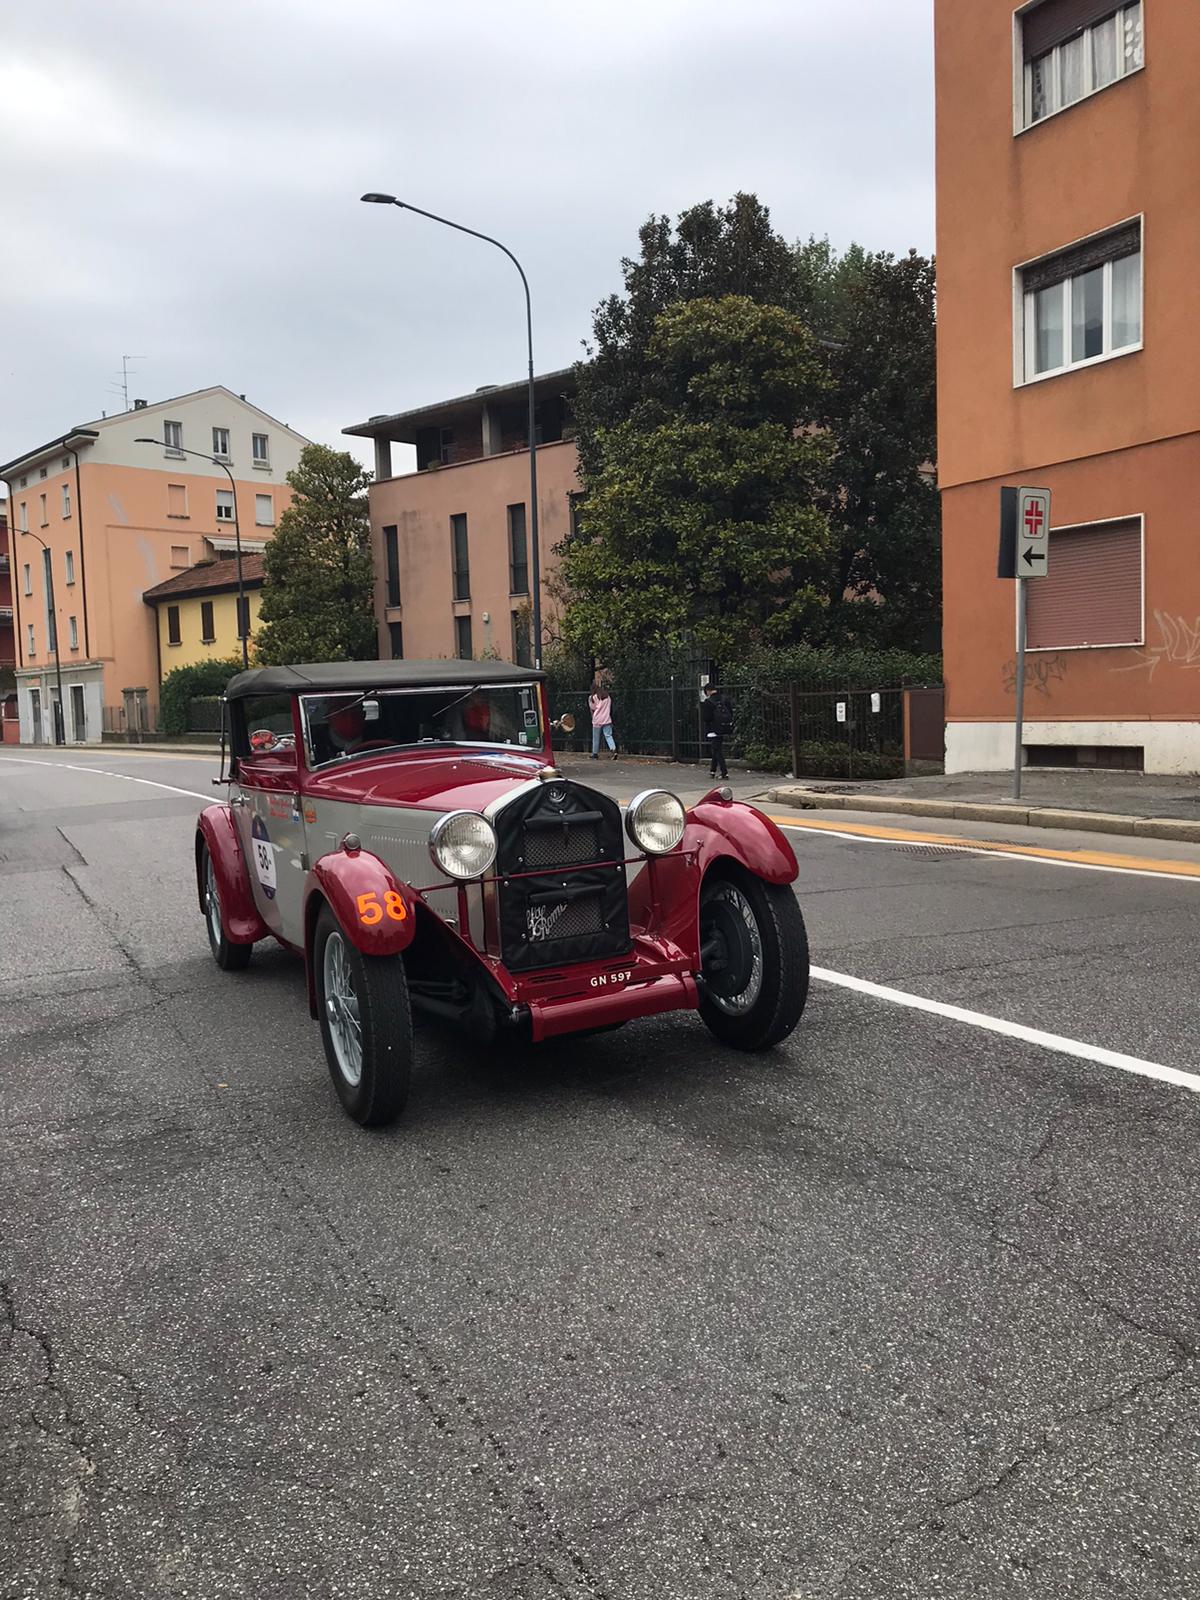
(1014, 1030)
(967, 849)
(99, 772)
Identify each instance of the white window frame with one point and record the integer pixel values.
(23, 521)
(30, 642)
(1023, 70)
(221, 443)
(66, 500)
(222, 507)
(43, 508)
(73, 632)
(173, 446)
(27, 580)
(270, 520)
(1102, 522)
(1024, 331)
(263, 460)
(69, 563)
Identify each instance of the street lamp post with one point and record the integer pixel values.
(243, 615)
(60, 718)
(390, 200)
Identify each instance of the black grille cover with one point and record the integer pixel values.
(574, 908)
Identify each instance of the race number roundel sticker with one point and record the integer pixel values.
(264, 856)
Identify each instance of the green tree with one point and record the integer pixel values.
(700, 521)
(318, 598)
(712, 251)
(885, 580)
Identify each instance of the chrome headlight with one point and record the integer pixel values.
(654, 821)
(463, 844)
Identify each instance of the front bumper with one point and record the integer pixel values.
(655, 977)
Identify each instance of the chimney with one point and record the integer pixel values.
(139, 405)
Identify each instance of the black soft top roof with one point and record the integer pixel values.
(321, 676)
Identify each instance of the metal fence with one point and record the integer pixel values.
(836, 733)
(204, 714)
(133, 721)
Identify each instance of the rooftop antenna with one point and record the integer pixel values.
(125, 360)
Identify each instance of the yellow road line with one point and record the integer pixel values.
(1080, 858)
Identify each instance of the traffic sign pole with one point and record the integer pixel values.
(1018, 749)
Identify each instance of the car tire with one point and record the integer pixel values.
(754, 955)
(228, 956)
(366, 1024)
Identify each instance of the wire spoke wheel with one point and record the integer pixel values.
(732, 949)
(341, 1003)
(753, 959)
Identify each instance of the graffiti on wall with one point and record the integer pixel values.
(1042, 672)
(1178, 645)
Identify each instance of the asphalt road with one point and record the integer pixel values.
(907, 1308)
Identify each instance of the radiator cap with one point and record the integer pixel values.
(548, 774)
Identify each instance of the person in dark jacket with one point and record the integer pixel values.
(716, 723)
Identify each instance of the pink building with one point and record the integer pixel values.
(8, 648)
(451, 539)
(106, 518)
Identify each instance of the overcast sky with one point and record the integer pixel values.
(180, 182)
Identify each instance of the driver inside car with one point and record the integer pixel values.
(347, 729)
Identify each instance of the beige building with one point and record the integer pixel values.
(107, 518)
(451, 540)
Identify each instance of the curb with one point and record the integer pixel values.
(1182, 830)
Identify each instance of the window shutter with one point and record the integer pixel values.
(1043, 274)
(1055, 20)
(1092, 593)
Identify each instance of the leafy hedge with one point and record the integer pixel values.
(849, 667)
(185, 684)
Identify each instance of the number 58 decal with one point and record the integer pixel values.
(371, 913)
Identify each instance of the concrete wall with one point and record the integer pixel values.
(420, 506)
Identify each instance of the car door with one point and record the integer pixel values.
(266, 804)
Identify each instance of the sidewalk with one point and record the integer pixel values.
(1100, 802)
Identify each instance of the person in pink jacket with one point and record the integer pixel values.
(600, 705)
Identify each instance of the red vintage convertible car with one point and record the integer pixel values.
(401, 825)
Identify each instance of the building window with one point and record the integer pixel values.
(518, 553)
(173, 634)
(23, 522)
(73, 632)
(29, 650)
(66, 500)
(396, 640)
(391, 553)
(461, 558)
(66, 463)
(70, 565)
(45, 515)
(264, 510)
(1072, 48)
(521, 645)
(1092, 591)
(179, 555)
(207, 633)
(243, 615)
(173, 435)
(1084, 303)
(27, 579)
(24, 481)
(220, 441)
(224, 505)
(462, 638)
(575, 502)
(177, 500)
(43, 472)
(259, 451)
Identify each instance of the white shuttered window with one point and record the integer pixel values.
(1092, 593)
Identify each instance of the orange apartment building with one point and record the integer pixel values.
(8, 646)
(109, 518)
(451, 539)
(1068, 237)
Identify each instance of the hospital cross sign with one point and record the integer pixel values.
(1033, 532)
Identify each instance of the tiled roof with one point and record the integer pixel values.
(210, 577)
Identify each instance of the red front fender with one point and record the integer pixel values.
(664, 900)
(377, 913)
(216, 829)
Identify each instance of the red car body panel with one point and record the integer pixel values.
(215, 828)
(437, 782)
(376, 911)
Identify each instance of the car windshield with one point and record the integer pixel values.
(341, 726)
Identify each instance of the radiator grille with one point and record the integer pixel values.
(570, 845)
